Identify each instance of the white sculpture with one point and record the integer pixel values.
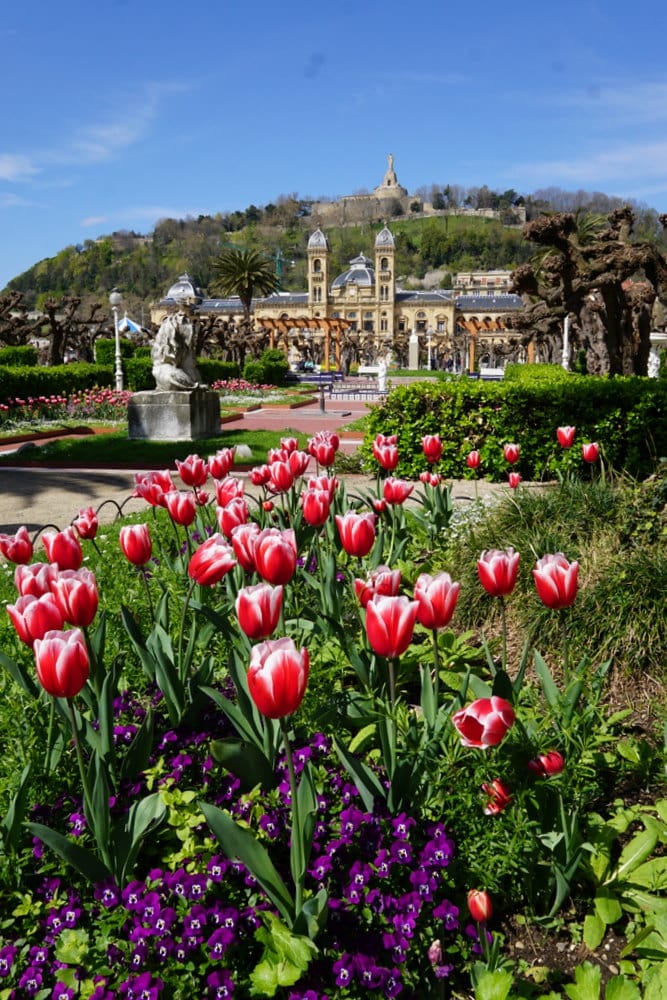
(174, 365)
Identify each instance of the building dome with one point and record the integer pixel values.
(184, 288)
(360, 272)
(318, 241)
(384, 239)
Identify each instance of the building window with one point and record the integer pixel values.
(383, 326)
(384, 264)
(317, 265)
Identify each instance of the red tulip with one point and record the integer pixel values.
(243, 542)
(480, 906)
(511, 453)
(514, 479)
(228, 489)
(277, 455)
(152, 486)
(220, 463)
(260, 475)
(36, 579)
(258, 609)
(390, 622)
(236, 512)
(298, 462)
(385, 439)
(590, 452)
(76, 594)
(436, 597)
(382, 581)
(275, 555)
(432, 447)
(498, 571)
(181, 506)
(289, 444)
(556, 580)
(62, 663)
(327, 483)
(324, 453)
(430, 477)
(135, 543)
(499, 797)
(33, 617)
(379, 505)
(282, 477)
(17, 548)
(397, 491)
(86, 524)
(63, 548)
(277, 677)
(546, 765)
(316, 507)
(565, 436)
(357, 532)
(386, 455)
(211, 561)
(193, 470)
(473, 459)
(484, 722)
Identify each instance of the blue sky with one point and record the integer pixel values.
(117, 114)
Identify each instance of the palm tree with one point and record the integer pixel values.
(242, 272)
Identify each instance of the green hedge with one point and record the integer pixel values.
(139, 372)
(626, 416)
(23, 354)
(105, 350)
(270, 368)
(28, 381)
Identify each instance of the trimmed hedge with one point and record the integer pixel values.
(35, 381)
(626, 416)
(23, 354)
(270, 368)
(105, 350)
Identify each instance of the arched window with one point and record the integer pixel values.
(384, 264)
(317, 265)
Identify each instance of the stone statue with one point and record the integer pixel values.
(174, 365)
(382, 375)
(653, 363)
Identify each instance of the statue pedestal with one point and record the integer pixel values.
(174, 416)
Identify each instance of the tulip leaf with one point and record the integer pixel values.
(166, 675)
(139, 643)
(302, 839)
(137, 757)
(367, 783)
(129, 832)
(313, 915)
(247, 762)
(239, 843)
(236, 716)
(546, 680)
(427, 701)
(17, 809)
(78, 857)
(100, 820)
(20, 675)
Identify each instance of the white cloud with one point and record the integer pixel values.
(94, 220)
(16, 167)
(607, 165)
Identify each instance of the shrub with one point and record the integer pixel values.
(36, 381)
(19, 355)
(105, 350)
(271, 368)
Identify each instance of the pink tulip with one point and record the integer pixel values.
(514, 480)
(565, 436)
(436, 597)
(473, 459)
(390, 623)
(498, 571)
(546, 765)
(356, 532)
(63, 548)
(152, 486)
(260, 475)
(62, 662)
(17, 548)
(86, 524)
(193, 470)
(289, 444)
(511, 453)
(211, 561)
(484, 722)
(33, 617)
(258, 609)
(35, 579)
(386, 455)
(382, 581)
(432, 447)
(480, 906)
(275, 555)
(228, 489)
(430, 477)
(397, 491)
(221, 463)
(316, 507)
(324, 453)
(590, 452)
(181, 506)
(556, 580)
(135, 543)
(298, 462)
(278, 677)
(498, 797)
(282, 477)
(236, 512)
(327, 483)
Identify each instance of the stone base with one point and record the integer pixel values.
(173, 416)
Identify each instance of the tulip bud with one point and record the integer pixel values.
(436, 597)
(556, 580)
(432, 447)
(63, 548)
(498, 571)
(514, 479)
(499, 797)
(565, 436)
(277, 677)
(390, 623)
(356, 532)
(258, 609)
(546, 765)
(511, 453)
(590, 452)
(62, 663)
(480, 905)
(17, 548)
(473, 459)
(193, 471)
(135, 543)
(86, 524)
(211, 561)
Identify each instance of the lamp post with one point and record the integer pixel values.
(429, 342)
(115, 300)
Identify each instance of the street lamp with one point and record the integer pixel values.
(429, 342)
(115, 300)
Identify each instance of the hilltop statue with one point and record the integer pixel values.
(174, 365)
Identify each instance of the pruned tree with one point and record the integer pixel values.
(69, 326)
(590, 270)
(16, 327)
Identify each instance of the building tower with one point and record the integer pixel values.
(385, 285)
(318, 272)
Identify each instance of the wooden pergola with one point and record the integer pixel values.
(286, 324)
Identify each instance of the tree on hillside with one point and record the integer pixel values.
(591, 271)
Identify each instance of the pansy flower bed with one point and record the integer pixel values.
(263, 762)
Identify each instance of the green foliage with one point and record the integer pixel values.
(270, 368)
(41, 381)
(627, 416)
(18, 356)
(105, 350)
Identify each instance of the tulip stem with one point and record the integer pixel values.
(186, 605)
(82, 769)
(393, 663)
(296, 825)
(566, 651)
(503, 618)
(49, 735)
(144, 577)
(436, 668)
